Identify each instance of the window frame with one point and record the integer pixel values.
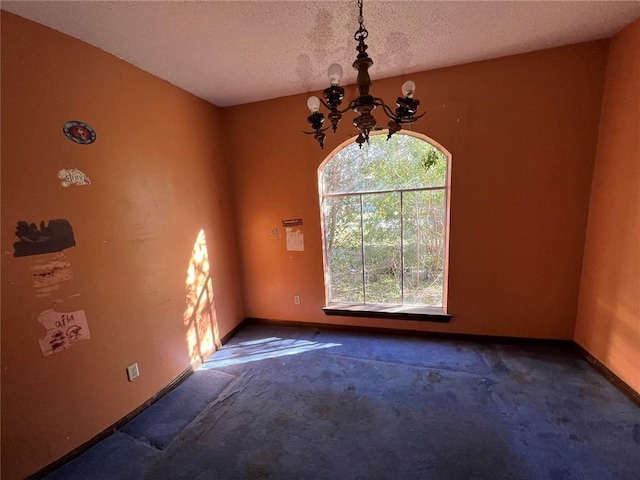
(405, 312)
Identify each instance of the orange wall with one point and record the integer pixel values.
(158, 176)
(522, 131)
(608, 324)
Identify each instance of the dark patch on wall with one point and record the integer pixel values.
(54, 237)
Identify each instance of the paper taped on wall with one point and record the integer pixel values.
(63, 330)
(295, 239)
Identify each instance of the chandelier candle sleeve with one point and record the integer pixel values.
(408, 89)
(335, 74)
(365, 103)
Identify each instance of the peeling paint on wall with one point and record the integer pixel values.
(45, 292)
(47, 277)
(63, 330)
(54, 237)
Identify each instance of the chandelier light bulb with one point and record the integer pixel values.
(335, 74)
(408, 89)
(313, 103)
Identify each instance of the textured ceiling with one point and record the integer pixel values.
(234, 52)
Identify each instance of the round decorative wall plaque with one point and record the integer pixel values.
(79, 132)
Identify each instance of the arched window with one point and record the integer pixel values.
(384, 220)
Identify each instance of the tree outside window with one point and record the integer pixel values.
(384, 214)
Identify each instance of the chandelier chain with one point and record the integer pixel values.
(362, 32)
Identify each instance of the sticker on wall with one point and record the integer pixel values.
(48, 277)
(63, 330)
(292, 222)
(73, 176)
(295, 239)
(54, 237)
(79, 132)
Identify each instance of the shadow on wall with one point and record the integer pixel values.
(203, 336)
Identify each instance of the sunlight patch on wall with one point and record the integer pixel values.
(202, 336)
(262, 349)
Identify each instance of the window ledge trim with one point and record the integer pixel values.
(396, 312)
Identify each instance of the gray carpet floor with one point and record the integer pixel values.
(292, 403)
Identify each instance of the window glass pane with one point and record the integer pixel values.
(424, 229)
(343, 243)
(403, 162)
(382, 248)
(384, 234)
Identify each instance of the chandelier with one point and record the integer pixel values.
(363, 106)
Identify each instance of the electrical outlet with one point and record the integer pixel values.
(133, 372)
(296, 299)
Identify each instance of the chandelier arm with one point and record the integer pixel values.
(391, 114)
(314, 132)
(325, 105)
(328, 107)
(352, 105)
(388, 112)
(412, 119)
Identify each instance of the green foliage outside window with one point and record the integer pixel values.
(384, 220)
